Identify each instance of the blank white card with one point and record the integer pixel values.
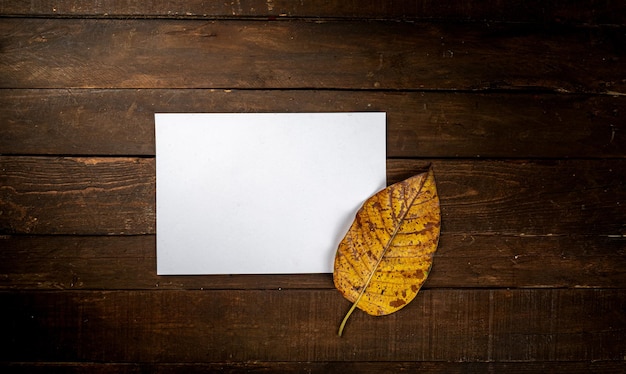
(266, 193)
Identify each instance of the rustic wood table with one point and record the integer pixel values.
(520, 108)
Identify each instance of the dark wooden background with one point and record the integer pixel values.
(519, 105)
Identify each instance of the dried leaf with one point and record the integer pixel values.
(387, 253)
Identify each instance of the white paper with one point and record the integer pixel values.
(262, 193)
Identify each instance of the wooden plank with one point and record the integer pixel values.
(431, 124)
(60, 195)
(104, 196)
(576, 367)
(289, 325)
(596, 12)
(112, 53)
(543, 197)
(462, 261)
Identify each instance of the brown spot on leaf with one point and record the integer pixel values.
(431, 225)
(397, 303)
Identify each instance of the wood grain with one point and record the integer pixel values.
(462, 261)
(291, 325)
(61, 195)
(332, 367)
(111, 53)
(105, 196)
(419, 124)
(578, 12)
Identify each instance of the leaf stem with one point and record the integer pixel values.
(345, 319)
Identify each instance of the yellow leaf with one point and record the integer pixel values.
(386, 255)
